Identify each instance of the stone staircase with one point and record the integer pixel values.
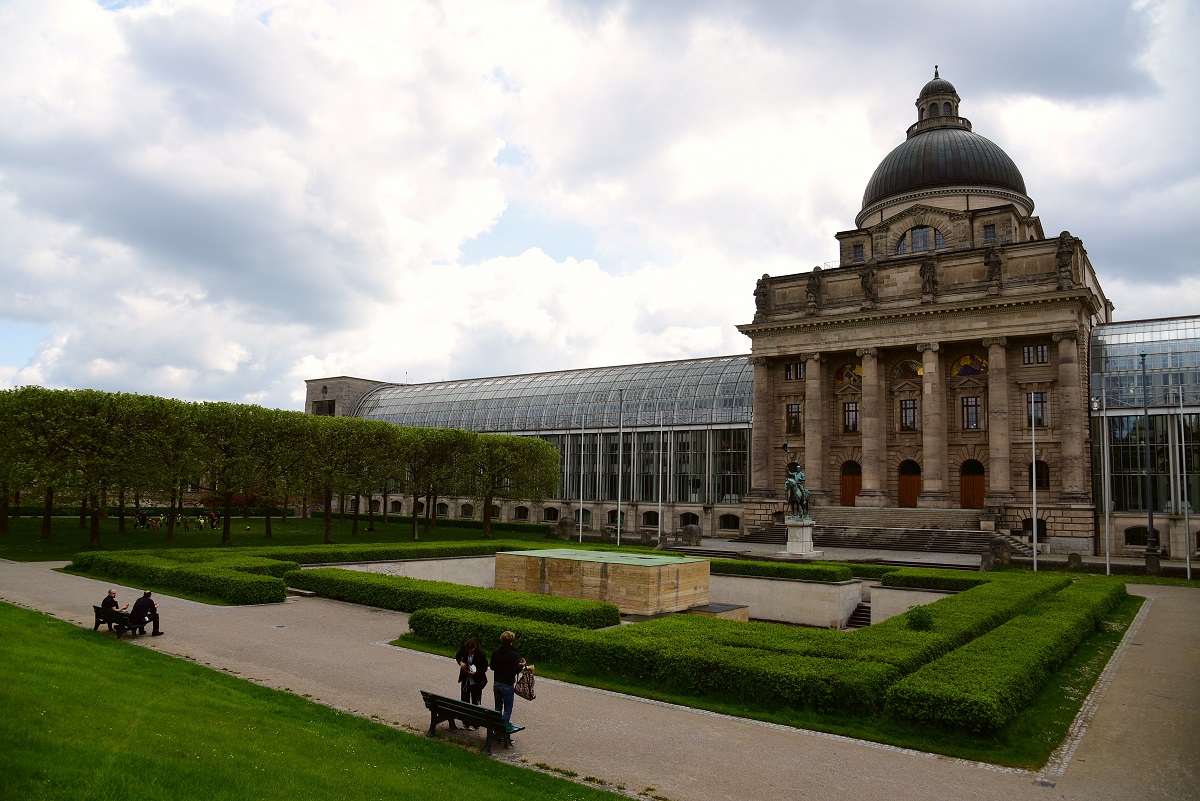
(860, 617)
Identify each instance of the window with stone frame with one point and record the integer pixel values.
(1035, 354)
(793, 371)
(850, 417)
(857, 256)
(1037, 409)
(908, 414)
(972, 412)
(989, 233)
(792, 418)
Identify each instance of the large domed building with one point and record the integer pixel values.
(918, 369)
(935, 376)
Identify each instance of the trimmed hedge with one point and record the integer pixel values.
(787, 570)
(258, 583)
(683, 664)
(372, 552)
(410, 594)
(985, 683)
(928, 578)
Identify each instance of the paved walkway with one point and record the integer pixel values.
(1142, 743)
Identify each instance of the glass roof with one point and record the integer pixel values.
(693, 392)
(1172, 349)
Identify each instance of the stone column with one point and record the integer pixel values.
(762, 446)
(999, 491)
(1070, 418)
(871, 429)
(814, 427)
(933, 430)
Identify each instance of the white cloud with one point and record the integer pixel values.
(219, 200)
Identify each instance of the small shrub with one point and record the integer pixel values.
(919, 618)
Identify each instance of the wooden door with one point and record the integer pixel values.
(910, 483)
(971, 487)
(851, 482)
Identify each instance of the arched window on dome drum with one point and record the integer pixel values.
(946, 110)
(920, 239)
(933, 109)
(922, 115)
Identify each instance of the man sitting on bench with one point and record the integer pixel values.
(145, 611)
(110, 602)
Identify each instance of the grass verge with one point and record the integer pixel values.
(1025, 742)
(88, 717)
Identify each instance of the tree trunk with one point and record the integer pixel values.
(83, 512)
(171, 511)
(328, 515)
(47, 514)
(225, 522)
(357, 506)
(370, 514)
(429, 501)
(121, 511)
(304, 505)
(487, 514)
(413, 516)
(95, 522)
(267, 523)
(385, 506)
(5, 527)
(342, 506)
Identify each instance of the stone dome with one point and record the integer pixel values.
(938, 86)
(949, 156)
(942, 151)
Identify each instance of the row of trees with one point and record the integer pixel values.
(115, 448)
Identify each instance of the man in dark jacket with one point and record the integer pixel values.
(110, 602)
(145, 611)
(506, 664)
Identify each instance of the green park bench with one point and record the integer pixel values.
(442, 708)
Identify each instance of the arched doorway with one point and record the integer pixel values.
(910, 483)
(851, 482)
(971, 491)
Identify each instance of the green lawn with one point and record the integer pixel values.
(89, 717)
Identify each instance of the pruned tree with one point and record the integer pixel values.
(510, 467)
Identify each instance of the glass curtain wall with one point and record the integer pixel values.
(1170, 388)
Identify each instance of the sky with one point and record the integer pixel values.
(218, 200)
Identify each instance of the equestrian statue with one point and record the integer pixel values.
(797, 493)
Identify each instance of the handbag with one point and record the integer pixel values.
(524, 685)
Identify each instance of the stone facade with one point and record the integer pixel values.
(337, 395)
(904, 374)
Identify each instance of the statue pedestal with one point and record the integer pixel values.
(800, 543)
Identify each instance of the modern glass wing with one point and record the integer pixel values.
(1172, 363)
(714, 391)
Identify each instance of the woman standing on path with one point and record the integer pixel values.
(472, 670)
(506, 664)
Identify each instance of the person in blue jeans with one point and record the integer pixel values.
(506, 663)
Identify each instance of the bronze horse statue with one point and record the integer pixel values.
(797, 493)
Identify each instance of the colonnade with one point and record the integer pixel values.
(1067, 417)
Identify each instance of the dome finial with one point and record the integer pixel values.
(935, 72)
